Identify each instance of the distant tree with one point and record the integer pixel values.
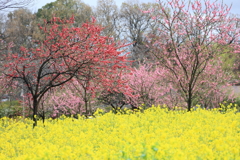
(3, 37)
(136, 25)
(66, 52)
(64, 9)
(19, 29)
(107, 15)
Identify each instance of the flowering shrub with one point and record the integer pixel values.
(153, 134)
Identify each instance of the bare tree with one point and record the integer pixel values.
(19, 28)
(8, 4)
(107, 15)
(136, 25)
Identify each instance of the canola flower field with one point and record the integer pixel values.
(155, 134)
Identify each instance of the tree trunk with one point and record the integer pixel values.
(35, 109)
(90, 108)
(86, 107)
(189, 101)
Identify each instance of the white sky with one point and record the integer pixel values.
(39, 3)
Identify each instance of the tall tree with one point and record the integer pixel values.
(136, 25)
(19, 28)
(65, 9)
(191, 37)
(107, 15)
(66, 52)
(2, 32)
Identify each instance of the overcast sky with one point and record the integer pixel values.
(39, 3)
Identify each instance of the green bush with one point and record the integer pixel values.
(10, 109)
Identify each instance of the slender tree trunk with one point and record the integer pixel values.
(189, 105)
(35, 109)
(43, 117)
(90, 108)
(86, 107)
(189, 101)
(85, 101)
(79, 108)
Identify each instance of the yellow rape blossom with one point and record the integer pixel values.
(152, 134)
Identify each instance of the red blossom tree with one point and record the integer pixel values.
(97, 80)
(81, 96)
(64, 53)
(191, 37)
(117, 92)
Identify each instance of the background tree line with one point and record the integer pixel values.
(125, 22)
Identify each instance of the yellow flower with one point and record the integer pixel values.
(153, 134)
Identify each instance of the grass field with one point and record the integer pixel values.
(153, 135)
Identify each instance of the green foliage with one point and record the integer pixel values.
(237, 101)
(228, 58)
(65, 9)
(226, 106)
(57, 8)
(10, 109)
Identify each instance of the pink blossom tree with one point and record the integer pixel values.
(213, 86)
(64, 101)
(191, 37)
(149, 85)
